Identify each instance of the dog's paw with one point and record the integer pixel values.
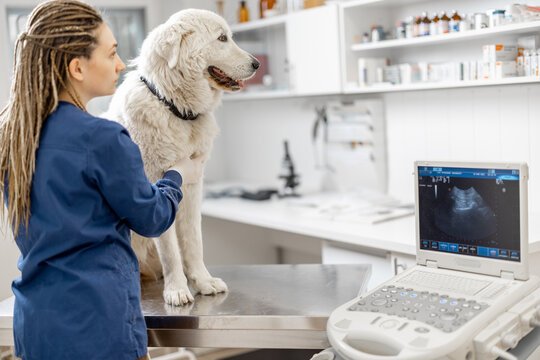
(177, 297)
(210, 286)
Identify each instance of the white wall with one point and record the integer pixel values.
(482, 124)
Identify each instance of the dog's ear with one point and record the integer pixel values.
(168, 42)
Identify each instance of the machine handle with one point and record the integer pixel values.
(369, 346)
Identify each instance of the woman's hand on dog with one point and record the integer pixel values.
(190, 168)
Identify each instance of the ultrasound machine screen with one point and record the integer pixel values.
(472, 212)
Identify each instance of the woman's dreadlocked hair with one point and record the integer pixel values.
(57, 31)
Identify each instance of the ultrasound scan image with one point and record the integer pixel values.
(469, 211)
(464, 214)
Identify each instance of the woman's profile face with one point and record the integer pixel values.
(103, 67)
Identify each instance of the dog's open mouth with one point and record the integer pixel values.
(223, 80)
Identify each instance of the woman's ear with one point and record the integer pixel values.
(75, 68)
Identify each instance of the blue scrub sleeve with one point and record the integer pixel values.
(115, 164)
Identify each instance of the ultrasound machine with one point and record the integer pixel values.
(470, 296)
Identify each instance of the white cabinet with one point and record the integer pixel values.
(313, 51)
(302, 52)
(452, 53)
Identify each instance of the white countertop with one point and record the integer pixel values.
(397, 235)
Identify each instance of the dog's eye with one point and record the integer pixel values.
(222, 38)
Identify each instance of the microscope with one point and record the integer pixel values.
(288, 174)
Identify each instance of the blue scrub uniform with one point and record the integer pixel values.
(78, 296)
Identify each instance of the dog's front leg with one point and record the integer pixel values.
(175, 289)
(188, 228)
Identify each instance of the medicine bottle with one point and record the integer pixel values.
(534, 63)
(434, 26)
(409, 27)
(527, 63)
(455, 19)
(220, 8)
(444, 23)
(265, 5)
(424, 25)
(375, 33)
(416, 27)
(243, 13)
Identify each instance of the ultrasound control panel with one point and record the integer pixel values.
(438, 310)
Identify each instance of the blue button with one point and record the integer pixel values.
(454, 248)
(413, 295)
(482, 251)
(453, 303)
(443, 246)
(443, 301)
(434, 244)
(403, 293)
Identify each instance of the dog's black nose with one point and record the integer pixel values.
(255, 63)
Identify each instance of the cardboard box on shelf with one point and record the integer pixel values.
(504, 69)
(499, 52)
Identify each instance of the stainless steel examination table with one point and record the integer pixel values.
(267, 306)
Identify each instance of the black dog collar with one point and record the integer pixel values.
(189, 115)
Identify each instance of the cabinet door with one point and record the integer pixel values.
(313, 50)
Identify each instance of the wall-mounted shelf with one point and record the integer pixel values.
(379, 3)
(271, 94)
(254, 95)
(520, 28)
(377, 89)
(259, 24)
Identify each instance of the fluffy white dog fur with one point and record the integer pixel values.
(190, 59)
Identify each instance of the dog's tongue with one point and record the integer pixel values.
(240, 83)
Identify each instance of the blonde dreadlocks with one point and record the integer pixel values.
(57, 31)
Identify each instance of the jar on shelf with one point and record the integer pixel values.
(365, 38)
(400, 30)
(496, 18)
(480, 21)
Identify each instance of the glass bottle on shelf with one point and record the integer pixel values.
(424, 25)
(243, 13)
(219, 5)
(444, 23)
(455, 20)
(416, 27)
(263, 5)
(434, 26)
(409, 27)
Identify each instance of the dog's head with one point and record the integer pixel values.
(196, 45)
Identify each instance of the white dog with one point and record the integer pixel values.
(166, 104)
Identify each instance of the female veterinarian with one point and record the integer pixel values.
(74, 187)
